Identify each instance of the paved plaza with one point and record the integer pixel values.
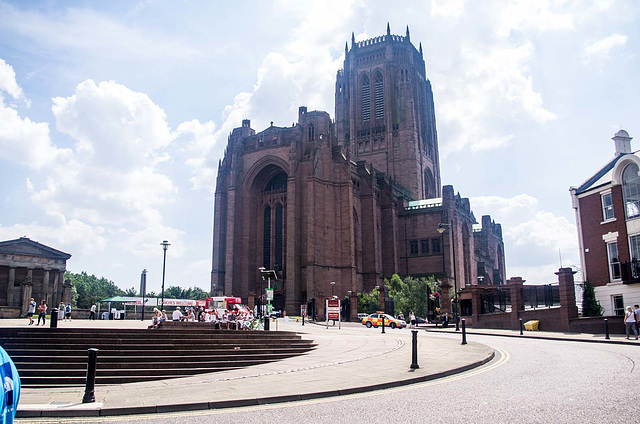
(350, 360)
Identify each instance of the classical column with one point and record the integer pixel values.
(46, 290)
(10, 284)
(66, 291)
(26, 287)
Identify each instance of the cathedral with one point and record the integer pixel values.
(334, 207)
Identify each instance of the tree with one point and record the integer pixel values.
(369, 302)
(131, 292)
(590, 305)
(410, 294)
(91, 289)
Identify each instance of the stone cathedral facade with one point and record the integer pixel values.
(350, 201)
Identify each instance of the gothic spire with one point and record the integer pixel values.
(388, 29)
(421, 49)
(353, 40)
(408, 36)
(346, 48)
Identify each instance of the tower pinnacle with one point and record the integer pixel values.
(388, 29)
(408, 36)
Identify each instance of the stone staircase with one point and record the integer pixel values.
(55, 357)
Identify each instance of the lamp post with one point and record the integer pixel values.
(441, 229)
(260, 311)
(143, 288)
(333, 288)
(165, 244)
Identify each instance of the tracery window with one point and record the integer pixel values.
(366, 99)
(266, 260)
(379, 97)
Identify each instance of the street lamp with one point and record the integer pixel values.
(260, 312)
(333, 287)
(165, 244)
(143, 288)
(441, 229)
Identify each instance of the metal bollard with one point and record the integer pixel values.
(53, 321)
(382, 324)
(464, 332)
(302, 319)
(606, 329)
(414, 349)
(89, 395)
(267, 321)
(521, 327)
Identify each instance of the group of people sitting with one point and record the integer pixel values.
(237, 319)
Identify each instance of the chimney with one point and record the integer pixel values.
(623, 142)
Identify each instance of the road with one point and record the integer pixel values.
(530, 381)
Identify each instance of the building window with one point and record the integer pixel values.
(435, 246)
(618, 304)
(312, 133)
(631, 190)
(366, 100)
(607, 207)
(614, 261)
(424, 247)
(278, 247)
(413, 244)
(266, 258)
(379, 97)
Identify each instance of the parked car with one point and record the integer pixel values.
(374, 320)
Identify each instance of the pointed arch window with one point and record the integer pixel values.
(312, 133)
(278, 238)
(266, 259)
(379, 96)
(366, 99)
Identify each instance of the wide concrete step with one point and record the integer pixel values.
(105, 354)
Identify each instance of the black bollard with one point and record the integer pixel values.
(521, 326)
(464, 332)
(414, 349)
(53, 321)
(89, 395)
(382, 324)
(302, 319)
(606, 329)
(267, 321)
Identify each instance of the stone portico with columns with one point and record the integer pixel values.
(31, 269)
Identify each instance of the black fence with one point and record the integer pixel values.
(495, 302)
(546, 296)
(533, 297)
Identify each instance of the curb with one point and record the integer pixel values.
(158, 409)
(534, 337)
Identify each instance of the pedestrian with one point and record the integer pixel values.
(177, 315)
(67, 312)
(636, 310)
(61, 311)
(630, 322)
(412, 319)
(92, 312)
(42, 313)
(31, 310)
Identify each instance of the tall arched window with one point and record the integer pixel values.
(631, 189)
(278, 241)
(312, 133)
(266, 259)
(366, 99)
(379, 97)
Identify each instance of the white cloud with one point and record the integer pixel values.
(447, 8)
(69, 235)
(533, 237)
(145, 243)
(524, 15)
(600, 50)
(8, 81)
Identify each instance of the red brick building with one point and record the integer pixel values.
(350, 201)
(607, 209)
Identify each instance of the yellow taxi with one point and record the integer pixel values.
(375, 320)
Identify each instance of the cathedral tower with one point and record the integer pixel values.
(385, 112)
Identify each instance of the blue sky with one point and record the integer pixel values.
(113, 115)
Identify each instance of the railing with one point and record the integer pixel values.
(495, 302)
(546, 296)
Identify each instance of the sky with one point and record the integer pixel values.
(114, 115)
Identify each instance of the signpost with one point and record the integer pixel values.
(333, 311)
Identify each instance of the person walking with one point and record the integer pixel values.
(92, 312)
(42, 313)
(630, 322)
(67, 312)
(61, 312)
(636, 311)
(31, 310)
